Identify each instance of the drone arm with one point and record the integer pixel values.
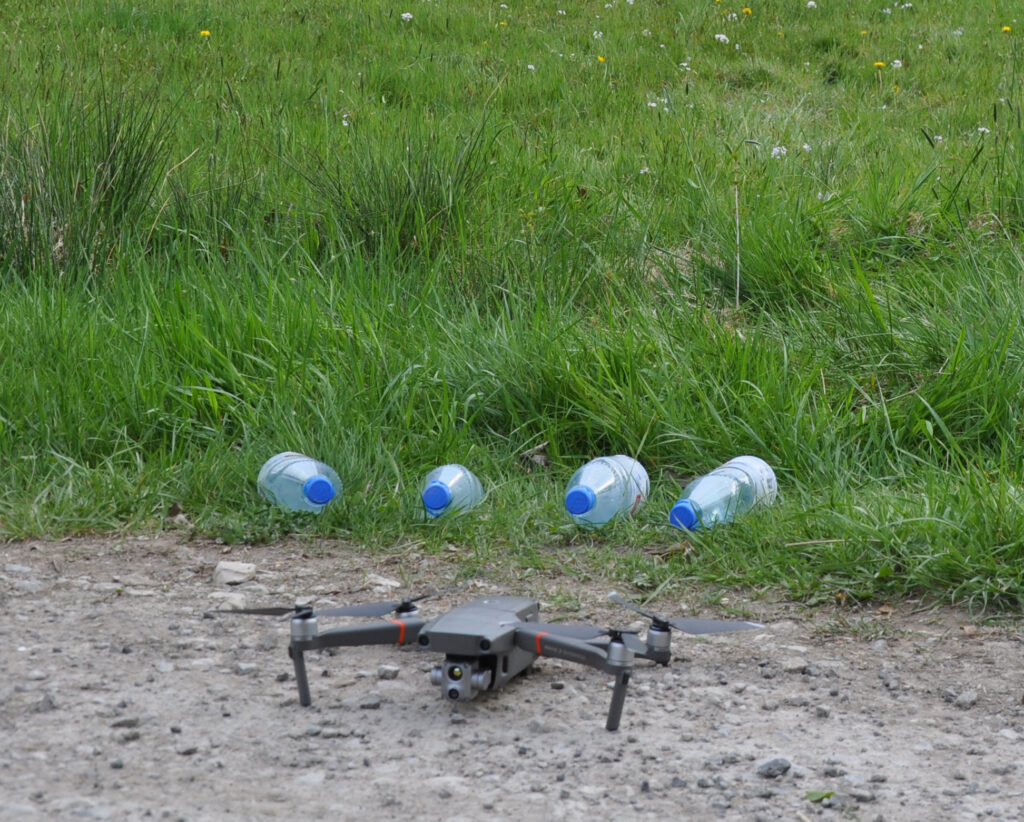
(614, 658)
(556, 646)
(387, 632)
(305, 638)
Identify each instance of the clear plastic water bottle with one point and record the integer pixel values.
(725, 493)
(297, 482)
(606, 488)
(450, 489)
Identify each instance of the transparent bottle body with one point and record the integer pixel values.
(457, 484)
(618, 484)
(720, 496)
(285, 478)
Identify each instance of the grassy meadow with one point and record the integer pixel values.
(395, 235)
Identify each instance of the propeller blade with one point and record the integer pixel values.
(266, 611)
(367, 609)
(711, 626)
(633, 642)
(687, 625)
(372, 609)
(618, 599)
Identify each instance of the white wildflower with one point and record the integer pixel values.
(407, 16)
(779, 151)
(896, 64)
(721, 38)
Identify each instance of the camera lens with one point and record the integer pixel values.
(453, 693)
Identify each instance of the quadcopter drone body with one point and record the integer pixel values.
(488, 642)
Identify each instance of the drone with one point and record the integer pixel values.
(490, 641)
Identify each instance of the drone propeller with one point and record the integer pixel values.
(588, 632)
(372, 609)
(629, 639)
(296, 610)
(367, 609)
(685, 624)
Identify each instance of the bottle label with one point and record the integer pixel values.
(640, 483)
(766, 488)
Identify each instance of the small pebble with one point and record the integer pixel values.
(966, 700)
(773, 768)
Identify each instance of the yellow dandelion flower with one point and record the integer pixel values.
(748, 11)
(600, 59)
(863, 32)
(502, 23)
(879, 64)
(1007, 29)
(204, 33)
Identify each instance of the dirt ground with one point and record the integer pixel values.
(120, 698)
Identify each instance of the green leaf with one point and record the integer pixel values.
(817, 796)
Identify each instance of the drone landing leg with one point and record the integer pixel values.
(618, 699)
(305, 698)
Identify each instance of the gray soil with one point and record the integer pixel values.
(121, 699)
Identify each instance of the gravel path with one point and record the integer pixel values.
(119, 699)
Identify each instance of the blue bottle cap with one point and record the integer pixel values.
(684, 515)
(579, 500)
(437, 495)
(318, 490)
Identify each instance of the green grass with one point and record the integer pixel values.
(394, 243)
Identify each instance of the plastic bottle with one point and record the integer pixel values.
(297, 482)
(725, 493)
(606, 488)
(450, 489)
